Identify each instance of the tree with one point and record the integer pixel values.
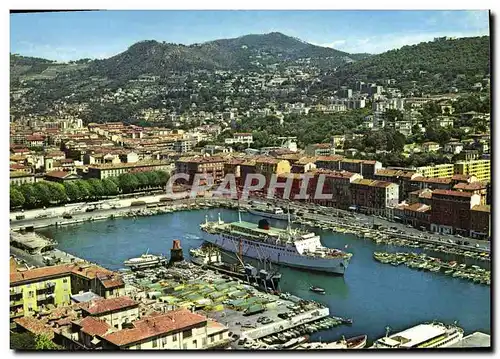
(85, 189)
(43, 193)
(42, 342)
(163, 178)
(30, 195)
(98, 190)
(58, 192)
(16, 198)
(153, 178)
(128, 182)
(73, 191)
(22, 341)
(110, 187)
(142, 179)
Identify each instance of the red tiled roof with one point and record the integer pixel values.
(474, 186)
(101, 306)
(329, 158)
(35, 326)
(93, 326)
(445, 192)
(58, 174)
(34, 138)
(433, 180)
(87, 271)
(155, 325)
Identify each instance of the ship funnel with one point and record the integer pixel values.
(264, 224)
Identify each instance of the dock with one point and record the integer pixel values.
(474, 340)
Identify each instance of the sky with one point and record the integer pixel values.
(65, 36)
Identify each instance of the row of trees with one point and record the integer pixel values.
(43, 194)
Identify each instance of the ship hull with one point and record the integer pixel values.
(292, 259)
(282, 217)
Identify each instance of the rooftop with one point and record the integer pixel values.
(155, 325)
(93, 326)
(418, 334)
(481, 208)
(474, 340)
(101, 306)
(444, 192)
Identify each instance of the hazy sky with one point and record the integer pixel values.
(73, 35)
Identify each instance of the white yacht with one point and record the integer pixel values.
(428, 335)
(145, 261)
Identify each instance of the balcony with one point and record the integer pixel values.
(15, 303)
(16, 314)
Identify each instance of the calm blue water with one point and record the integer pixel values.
(373, 294)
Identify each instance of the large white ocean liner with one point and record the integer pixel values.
(291, 247)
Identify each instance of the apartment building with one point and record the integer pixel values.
(213, 166)
(437, 171)
(320, 149)
(479, 168)
(180, 329)
(32, 290)
(374, 197)
(337, 184)
(239, 137)
(480, 222)
(21, 177)
(367, 168)
(451, 211)
(115, 311)
(112, 170)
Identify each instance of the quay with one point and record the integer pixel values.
(474, 340)
(232, 302)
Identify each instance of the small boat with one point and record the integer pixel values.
(317, 290)
(347, 321)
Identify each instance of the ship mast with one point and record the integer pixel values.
(289, 228)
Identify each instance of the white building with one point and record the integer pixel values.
(246, 138)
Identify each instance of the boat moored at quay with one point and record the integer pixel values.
(290, 247)
(427, 335)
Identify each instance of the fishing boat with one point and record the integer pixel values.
(317, 290)
(292, 343)
(358, 342)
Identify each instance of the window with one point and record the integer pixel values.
(220, 336)
(174, 337)
(65, 280)
(195, 343)
(31, 294)
(212, 338)
(138, 346)
(187, 333)
(164, 341)
(155, 343)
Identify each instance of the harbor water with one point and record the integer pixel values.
(373, 294)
